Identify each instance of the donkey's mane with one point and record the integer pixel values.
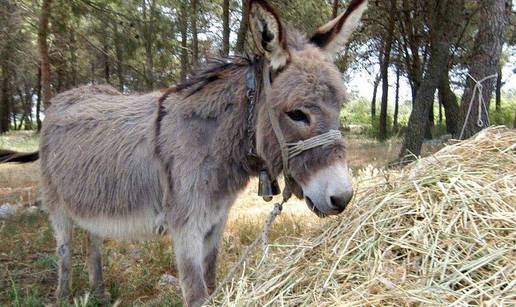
(211, 71)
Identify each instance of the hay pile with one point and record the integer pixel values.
(441, 231)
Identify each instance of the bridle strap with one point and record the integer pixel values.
(274, 119)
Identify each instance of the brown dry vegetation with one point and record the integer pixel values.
(133, 269)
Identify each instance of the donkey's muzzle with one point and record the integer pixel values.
(329, 190)
(340, 202)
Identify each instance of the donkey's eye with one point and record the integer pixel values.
(299, 116)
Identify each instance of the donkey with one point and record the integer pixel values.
(131, 167)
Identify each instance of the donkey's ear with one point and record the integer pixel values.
(333, 36)
(268, 33)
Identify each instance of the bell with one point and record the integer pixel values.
(267, 188)
(275, 187)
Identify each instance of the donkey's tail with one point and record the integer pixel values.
(20, 157)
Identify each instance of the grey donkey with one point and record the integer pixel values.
(129, 167)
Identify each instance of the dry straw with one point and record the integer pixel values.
(441, 231)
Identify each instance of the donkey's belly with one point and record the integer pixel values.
(139, 225)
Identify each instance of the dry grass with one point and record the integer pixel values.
(438, 232)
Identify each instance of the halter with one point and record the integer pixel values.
(288, 150)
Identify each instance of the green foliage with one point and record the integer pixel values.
(356, 112)
(504, 116)
(356, 116)
(20, 141)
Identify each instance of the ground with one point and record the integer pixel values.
(133, 269)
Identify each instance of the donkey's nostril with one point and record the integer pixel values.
(341, 201)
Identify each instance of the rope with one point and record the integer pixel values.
(477, 89)
(263, 237)
(327, 138)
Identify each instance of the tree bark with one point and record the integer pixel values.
(441, 19)
(335, 9)
(183, 16)
(195, 40)
(43, 52)
(73, 57)
(105, 58)
(449, 101)
(242, 30)
(499, 89)
(373, 100)
(119, 53)
(411, 38)
(429, 123)
(4, 101)
(484, 63)
(397, 98)
(440, 110)
(148, 34)
(225, 28)
(38, 101)
(385, 72)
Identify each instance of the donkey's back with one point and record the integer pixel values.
(97, 160)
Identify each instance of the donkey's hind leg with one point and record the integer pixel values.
(95, 268)
(63, 227)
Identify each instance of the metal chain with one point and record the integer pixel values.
(251, 96)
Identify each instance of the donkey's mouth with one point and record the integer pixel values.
(314, 209)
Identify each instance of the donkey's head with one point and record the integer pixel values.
(305, 96)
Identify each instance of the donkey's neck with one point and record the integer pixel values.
(207, 130)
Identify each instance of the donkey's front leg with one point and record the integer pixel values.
(211, 250)
(188, 246)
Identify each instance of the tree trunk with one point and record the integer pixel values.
(242, 30)
(27, 109)
(373, 100)
(411, 39)
(73, 56)
(397, 98)
(195, 41)
(499, 89)
(43, 52)
(148, 34)
(38, 101)
(385, 73)
(440, 110)
(449, 101)
(484, 63)
(441, 19)
(429, 122)
(335, 9)
(92, 72)
(105, 58)
(119, 53)
(184, 39)
(225, 28)
(4, 101)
